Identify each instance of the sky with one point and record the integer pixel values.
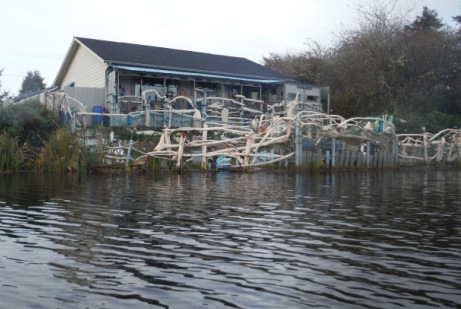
(36, 34)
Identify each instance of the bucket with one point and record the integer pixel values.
(97, 119)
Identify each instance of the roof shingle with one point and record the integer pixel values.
(159, 57)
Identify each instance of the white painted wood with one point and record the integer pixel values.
(85, 70)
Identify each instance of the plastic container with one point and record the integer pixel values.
(97, 119)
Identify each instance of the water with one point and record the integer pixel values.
(375, 239)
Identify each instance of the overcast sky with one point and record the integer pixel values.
(35, 35)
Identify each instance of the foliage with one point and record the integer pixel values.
(61, 153)
(302, 66)
(457, 19)
(33, 81)
(426, 22)
(10, 154)
(385, 64)
(4, 93)
(31, 123)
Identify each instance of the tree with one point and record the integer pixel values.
(427, 21)
(304, 66)
(4, 93)
(386, 63)
(1, 95)
(457, 19)
(33, 81)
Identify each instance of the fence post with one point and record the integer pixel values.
(204, 148)
(425, 147)
(298, 145)
(128, 155)
(368, 158)
(333, 152)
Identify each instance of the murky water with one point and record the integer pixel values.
(376, 239)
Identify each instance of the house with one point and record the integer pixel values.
(97, 72)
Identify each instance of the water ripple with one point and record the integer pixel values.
(377, 239)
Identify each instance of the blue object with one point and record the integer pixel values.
(97, 119)
(223, 163)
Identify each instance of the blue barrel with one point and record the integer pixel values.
(97, 119)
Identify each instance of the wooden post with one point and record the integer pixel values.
(246, 159)
(450, 152)
(375, 159)
(459, 153)
(354, 155)
(333, 152)
(368, 158)
(204, 148)
(128, 155)
(425, 147)
(180, 153)
(298, 145)
(440, 149)
(347, 159)
(395, 156)
(359, 159)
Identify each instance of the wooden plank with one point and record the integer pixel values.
(353, 159)
(347, 158)
(359, 159)
(374, 157)
(342, 156)
(386, 160)
(368, 156)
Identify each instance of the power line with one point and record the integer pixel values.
(25, 53)
(24, 76)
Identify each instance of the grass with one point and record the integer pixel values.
(61, 153)
(10, 154)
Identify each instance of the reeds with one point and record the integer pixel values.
(10, 154)
(61, 153)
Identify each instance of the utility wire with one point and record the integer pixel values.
(24, 76)
(25, 53)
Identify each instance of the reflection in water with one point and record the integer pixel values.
(373, 239)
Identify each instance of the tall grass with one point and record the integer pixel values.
(61, 153)
(10, 154)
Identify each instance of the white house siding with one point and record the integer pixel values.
(85, 70)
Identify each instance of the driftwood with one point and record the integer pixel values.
(272, 132)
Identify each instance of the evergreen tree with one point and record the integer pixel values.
(429, 20)
(33, 81)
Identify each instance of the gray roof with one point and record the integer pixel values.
(182, 60)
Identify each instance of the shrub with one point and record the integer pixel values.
(30, 123)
